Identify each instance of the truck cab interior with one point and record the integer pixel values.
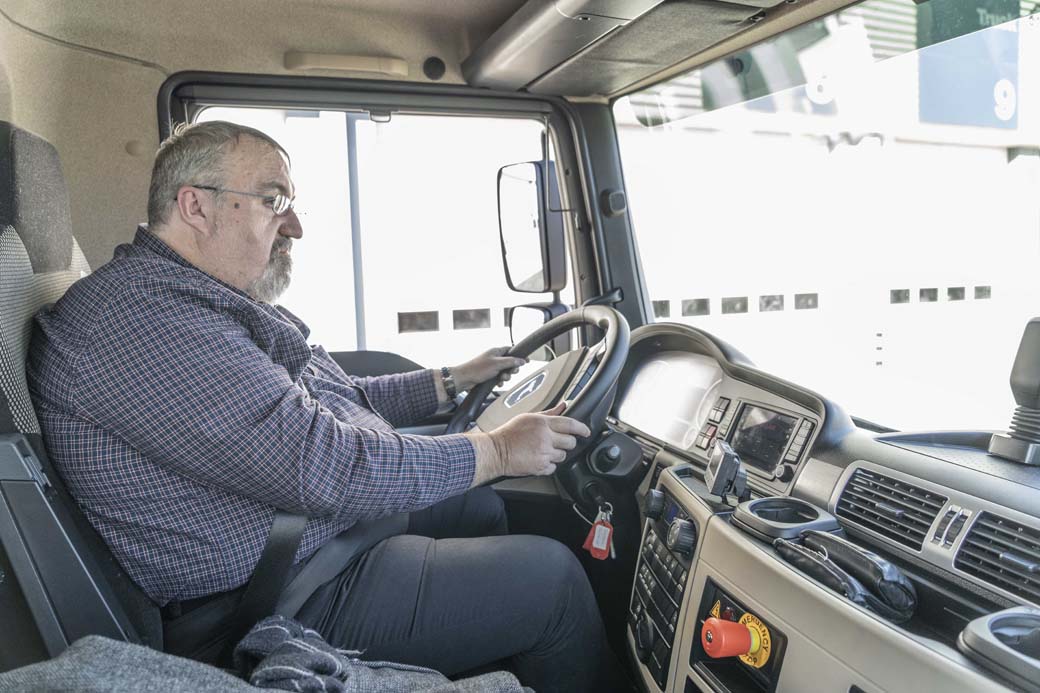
(780, 254)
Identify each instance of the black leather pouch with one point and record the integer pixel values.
(885, 580)
(819, 566)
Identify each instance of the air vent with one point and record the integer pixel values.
(1003, 553)
(893, 509)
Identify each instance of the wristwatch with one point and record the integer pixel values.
(448, 380)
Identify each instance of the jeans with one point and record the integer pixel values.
(448, 597)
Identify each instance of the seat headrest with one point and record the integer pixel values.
(34, 201)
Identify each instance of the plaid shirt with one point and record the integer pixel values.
(181, 413)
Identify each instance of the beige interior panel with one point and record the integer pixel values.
(234, 36)
(90, 107)
(831, 643)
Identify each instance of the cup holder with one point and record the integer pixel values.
(781, 517)
(788, 511)
(1008, 643)
(1021, 635)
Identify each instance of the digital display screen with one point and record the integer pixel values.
(670, 396)
(670, 511)
(760, 436)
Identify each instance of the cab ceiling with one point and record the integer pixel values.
(253, 36)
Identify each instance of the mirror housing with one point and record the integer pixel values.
(525, 319)
(531, 233)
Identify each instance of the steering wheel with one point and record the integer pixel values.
(582, 377)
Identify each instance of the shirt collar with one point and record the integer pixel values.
(149, 241)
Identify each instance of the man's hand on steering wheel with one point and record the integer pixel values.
(527, 445)
(493, 363)
(528, 416)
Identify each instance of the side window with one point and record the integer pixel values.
(400, 250)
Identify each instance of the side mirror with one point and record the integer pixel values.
(532, 235)
(523, 320)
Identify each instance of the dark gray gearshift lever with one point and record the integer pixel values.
(1022, 443)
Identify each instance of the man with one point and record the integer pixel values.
(183, 409)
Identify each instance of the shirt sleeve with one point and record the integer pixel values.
(189, 388)
(403, 399)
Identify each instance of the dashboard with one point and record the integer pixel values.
(687, 401)
(959, 524)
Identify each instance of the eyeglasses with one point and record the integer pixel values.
(280, 204)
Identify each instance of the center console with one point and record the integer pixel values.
(716, 607)
(665, 558)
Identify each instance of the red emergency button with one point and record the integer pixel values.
(722, 638)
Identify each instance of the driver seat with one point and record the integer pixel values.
(66, 583)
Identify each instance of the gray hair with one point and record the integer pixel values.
(194, 155)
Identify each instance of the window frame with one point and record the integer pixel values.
(185, 94)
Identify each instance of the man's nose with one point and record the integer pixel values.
(291, 227)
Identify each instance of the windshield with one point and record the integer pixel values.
(855, 205)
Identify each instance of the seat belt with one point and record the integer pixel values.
(334, 557)
(265, 587)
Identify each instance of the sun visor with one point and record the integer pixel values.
(543, 34)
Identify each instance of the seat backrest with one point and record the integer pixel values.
(66, 582)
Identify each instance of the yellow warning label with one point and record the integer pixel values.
(716, 610)
(758, 657)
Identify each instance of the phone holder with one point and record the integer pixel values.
(725, 474)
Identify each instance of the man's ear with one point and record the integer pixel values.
(196, 209)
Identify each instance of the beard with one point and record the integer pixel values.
(275, 279)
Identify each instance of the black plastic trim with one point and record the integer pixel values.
(185, 91)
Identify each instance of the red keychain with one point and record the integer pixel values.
(599, 541)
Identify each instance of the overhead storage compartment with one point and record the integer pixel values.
(544, 33)
(586, 47)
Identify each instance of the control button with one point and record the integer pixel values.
(677, 571)
(682, 536)
(608, 457)
(722, 638)
(662, 654)
(653, 505)
(715, 416)
(655, 669)
(711, 430)
(683, 578)
(944, 523)
(702, 442)
(784, 473)
(956, 526)
(644, 638)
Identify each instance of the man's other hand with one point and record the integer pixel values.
(528, 445)
(491, 364)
